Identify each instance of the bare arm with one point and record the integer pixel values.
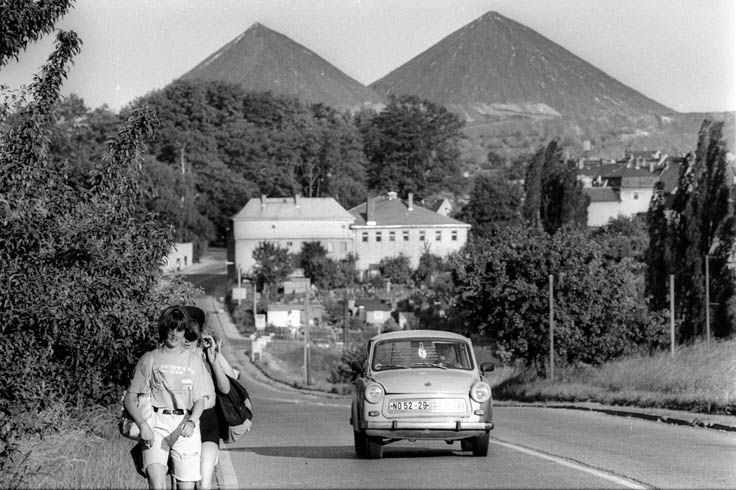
(131, 405)
(218, 373)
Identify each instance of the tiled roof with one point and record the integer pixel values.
(628, 171)
(601, 194)
(286, 208)
(395, 212)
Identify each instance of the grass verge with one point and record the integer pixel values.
(700, 379)
(86, 451)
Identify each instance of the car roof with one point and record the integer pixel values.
(408, 334)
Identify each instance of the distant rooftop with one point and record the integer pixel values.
(293, 208)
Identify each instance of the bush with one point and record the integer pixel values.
(81, 266)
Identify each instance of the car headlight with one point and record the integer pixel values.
(373, 393)
(480, 392)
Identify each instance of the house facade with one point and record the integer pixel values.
(371, 311)
(619, 188)
(289, 222)
(181, 256)
(387, 226)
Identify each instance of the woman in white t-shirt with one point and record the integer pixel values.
(177, 381)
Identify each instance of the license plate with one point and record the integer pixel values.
(426, 405)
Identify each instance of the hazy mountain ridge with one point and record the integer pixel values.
(495, 60)
(261, 59)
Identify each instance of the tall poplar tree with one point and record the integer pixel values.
(657, 256)
(701, 228)
(553, 196)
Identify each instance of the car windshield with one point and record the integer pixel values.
(421, 353)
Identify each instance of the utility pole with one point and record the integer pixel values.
(551, 328)
(307, 376)
(672, 316)
(346, 333)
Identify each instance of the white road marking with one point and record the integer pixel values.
(571, 464)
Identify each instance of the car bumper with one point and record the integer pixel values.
(406, 429)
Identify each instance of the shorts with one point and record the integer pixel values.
(185, 452)
(209, 426)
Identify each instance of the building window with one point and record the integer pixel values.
(344, 246)
(365, 236)
(406, 236)
(289, 244)
(329, 246)
(378, 236)
(391, 236)
(438, 236)
(421, 236)
(636, 195)
(454, 235)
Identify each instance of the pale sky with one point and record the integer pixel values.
(681, 53)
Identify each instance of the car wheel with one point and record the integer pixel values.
(374, 447)
(466, 444)
(480, 445)
(361, 444)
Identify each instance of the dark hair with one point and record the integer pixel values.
(173, 318)
(193, 332)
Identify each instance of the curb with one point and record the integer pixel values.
(685, 418)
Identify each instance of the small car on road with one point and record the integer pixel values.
(418, 385)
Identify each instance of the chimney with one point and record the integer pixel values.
(410, 206)
(370, 212)
(263, 201)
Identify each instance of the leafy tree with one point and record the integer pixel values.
(533, 189)
(494, 203)
(192, 116)
(553, 196)
(562, 200)
(495, 161)
(701, 224)
(80, 137)
(412, 146)
(168, 194)
(273, 264)
(238, 144)
(502, 290)
(658, 254)
(80, 264)
(347, 274)
(623, 237)
(396, 269)
(429, 268)
(317, 266)
(332, 162)
(22, 22)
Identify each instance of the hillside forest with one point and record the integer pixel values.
(91, 201)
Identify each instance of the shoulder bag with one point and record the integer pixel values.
(234, 411)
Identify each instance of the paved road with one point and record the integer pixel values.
(305, 441)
